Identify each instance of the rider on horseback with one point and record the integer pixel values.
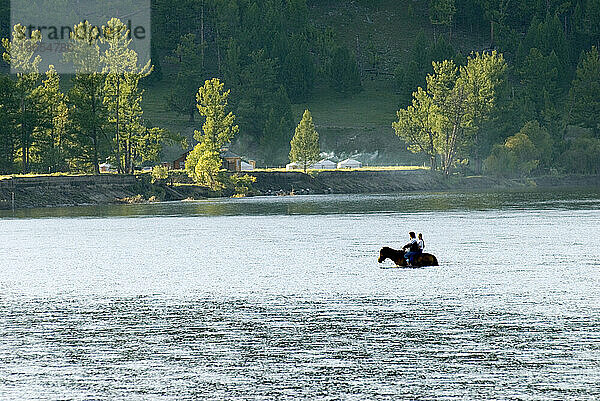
(413, 248)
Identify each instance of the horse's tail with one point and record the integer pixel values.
(434, 261)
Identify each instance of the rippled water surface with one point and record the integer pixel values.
(283, 298)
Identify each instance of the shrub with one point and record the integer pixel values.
(500, 162)
(524, 152)
(240, 184)
(541, 139)
(159, 173)
(583, 156)
(520, 155)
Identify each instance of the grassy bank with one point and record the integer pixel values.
(371, 168)
(49, 191)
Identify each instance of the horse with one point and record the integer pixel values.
(424, 259)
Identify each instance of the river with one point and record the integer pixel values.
(283, 298)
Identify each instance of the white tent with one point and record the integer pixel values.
(324, 165)
(247, 166)
(107, 168)
(293, 166)
(349, 163)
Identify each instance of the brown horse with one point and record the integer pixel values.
(424, 259)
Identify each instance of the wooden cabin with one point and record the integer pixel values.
(231, 161)
(179, 163)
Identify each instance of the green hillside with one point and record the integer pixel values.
(381, 35)
(474, 86)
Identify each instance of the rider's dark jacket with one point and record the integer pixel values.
(413, 246)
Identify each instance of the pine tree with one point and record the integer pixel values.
(540, 75)
(441, 12)
(277, 130)
(585, 92)
(298, 70)
(261, 101)
(204, 163)
(258, 84)
(305, 143)
(188, 59)
(589, 23)
(9, 108)
(19, 53)
(122, 95)
(343, 71)
(51, 131)
(411, 74)
(89, 115)
(496, 12)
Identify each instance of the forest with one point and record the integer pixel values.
(538, 107)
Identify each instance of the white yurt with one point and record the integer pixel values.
(107, 168)
(293, 166)
(349, 163)
(324, 165)
(247, 166)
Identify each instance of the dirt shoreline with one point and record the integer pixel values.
(57, 191)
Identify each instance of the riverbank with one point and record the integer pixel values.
(55, 191)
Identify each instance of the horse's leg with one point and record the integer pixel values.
(400, 261)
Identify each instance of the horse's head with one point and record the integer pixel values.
(384, 253)
(389, 253)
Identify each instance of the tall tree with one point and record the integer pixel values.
(412, 74)
(445, 119)
(481, 78)
(305, 143)
(254, 94)
(204, 162)
(51, 131)
(9, 108)
(122, 95)
(277, 130)
(543, 65)
(585, 92)
(496, 12)
(540, 78)
(586, 20)
(89, 115)
(441, 12)
(227, 20)
(449, 97)
(19, 53)
(343, 71)
(547, 36)
(416, 126)
(188, 57)
(298, 69)
(262, 106)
